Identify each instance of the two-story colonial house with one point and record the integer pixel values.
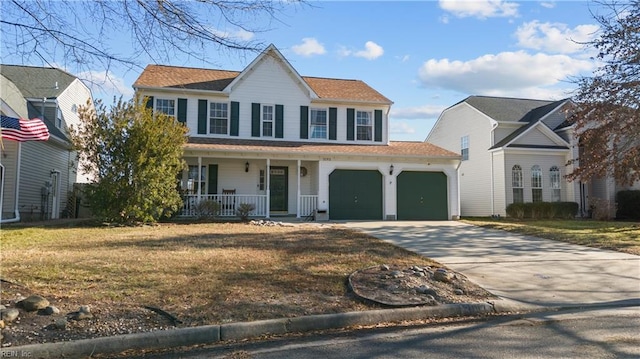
(297, 145)
(515, 150)
(36, 177)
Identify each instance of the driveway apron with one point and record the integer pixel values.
(525, 269)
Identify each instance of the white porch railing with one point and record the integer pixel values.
(307, 204)
(228, 204)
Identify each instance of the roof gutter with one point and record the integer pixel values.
(185, 90)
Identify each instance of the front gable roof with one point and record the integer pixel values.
(173, 77)
(533, 119)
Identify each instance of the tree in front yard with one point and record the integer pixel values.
(134, 156)
(607, 117)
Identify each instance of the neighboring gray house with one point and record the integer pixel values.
(293, 145)
(37, 176)
(514, 150)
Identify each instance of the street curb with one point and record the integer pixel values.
(211, 334)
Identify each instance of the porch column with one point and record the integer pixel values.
(298, 198)
(268, 179)
(199, 177)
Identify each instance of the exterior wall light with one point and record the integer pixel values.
(246, 166)
(391, 169)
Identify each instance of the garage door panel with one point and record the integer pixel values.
(422, 196)
(355, 194)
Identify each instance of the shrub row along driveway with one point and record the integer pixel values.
(522, 268)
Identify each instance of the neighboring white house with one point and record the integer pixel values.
(514, 150)
(294, 145)
(37, 176)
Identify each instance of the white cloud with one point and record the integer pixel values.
(104, 85)
(309, 47)
(548, 4)
(371, 51)
(554, 37)
(401, 128)
(419, 112)
(481, 9)
(504, 74)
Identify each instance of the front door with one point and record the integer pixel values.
(278, 183)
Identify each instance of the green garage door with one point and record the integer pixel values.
(355, 194)
(422, 196)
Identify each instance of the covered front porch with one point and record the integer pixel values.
(274, 187)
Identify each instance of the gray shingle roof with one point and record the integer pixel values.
(37, 82)
(509, 109)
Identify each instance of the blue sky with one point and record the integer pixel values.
(423, 55)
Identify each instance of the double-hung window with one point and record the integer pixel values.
(318, 123)
(364, 126)
(536, 184)
(516, 184)
(554, 174)
(464, 147)
(267, 120)
(194, 183)
(166, 106)
(218, 118)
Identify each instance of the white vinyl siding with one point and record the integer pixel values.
(535, 137)
(545, 162)
(475, 174)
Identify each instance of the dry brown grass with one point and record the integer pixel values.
(202, 273)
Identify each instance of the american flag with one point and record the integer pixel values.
(24, 130)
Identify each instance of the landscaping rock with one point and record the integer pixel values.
(9, 314)
(50, 310)
(33, 303)
(60, 324)
(442, 275)
(83, 313)
(458, 291)
(384, 267)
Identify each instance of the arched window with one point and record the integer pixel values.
(516, 184)
(554, 177)
(536, 183)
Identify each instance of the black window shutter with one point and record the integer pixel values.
(351, 114)
(235, 118)
(202, 116)
(182, 110)
(212, 184)
(279, 121)
(304, 122)
(333, 123)
(149, 103)
(378, 125)
(255, 120)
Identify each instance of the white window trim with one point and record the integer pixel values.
(326, 124)
(464, 145)
(372, 125)
(175, 106)
(227, 118)
(273, 119)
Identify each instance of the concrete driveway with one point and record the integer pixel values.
(521, 268)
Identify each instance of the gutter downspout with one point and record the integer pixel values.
(458, 191)
(493, 195)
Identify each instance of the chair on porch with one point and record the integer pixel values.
(228, 201)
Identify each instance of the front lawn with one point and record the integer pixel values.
(619, 236)
(202, 273)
